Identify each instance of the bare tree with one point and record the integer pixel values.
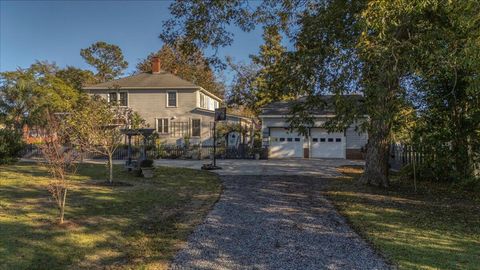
(60, 160)
(96, 126)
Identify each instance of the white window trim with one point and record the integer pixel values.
(200, 100)
(156, 124)
(191, 124)
(176, 99)
(128, 98)
(118, 97)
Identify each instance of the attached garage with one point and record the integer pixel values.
(327, 145)
(285, 144)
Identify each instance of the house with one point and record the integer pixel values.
(176, 108)
(317, 143)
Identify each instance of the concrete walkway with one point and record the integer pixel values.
(314, 167)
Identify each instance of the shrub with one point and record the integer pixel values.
(146, 163)
(10, 145)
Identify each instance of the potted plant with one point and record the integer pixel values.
(256, 153)
(147, 168)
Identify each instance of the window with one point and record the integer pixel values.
(120, 98)
(162, 125)
(315, 139)
(330, 139)
(338, 139)
(196, 127)
(297, 139)
(322, 139)
(289, 139)
(112, 97)
(202, 100)
(171, 99)
(123, 97)
(282, 139)
(216, 104)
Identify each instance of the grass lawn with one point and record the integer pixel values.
(123, 227)
(436, 228)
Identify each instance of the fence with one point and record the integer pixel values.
(402, 155)
(242, 151)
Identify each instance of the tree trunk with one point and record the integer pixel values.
(62, 205)
(110, 168)
(376, 158)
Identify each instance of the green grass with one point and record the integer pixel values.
(130, 227)
(436, 228)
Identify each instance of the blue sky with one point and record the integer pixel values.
(57, 30)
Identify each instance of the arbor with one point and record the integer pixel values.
(191, 66)
(96, 128)
(106, 58)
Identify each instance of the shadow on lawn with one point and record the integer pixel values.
(428, 229)
(107, 226)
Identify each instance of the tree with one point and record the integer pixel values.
(191, 66)
(76, 78)
(96, 128)
(256, 85)
(368, 47)
(60, 159)
(26, 94)
(106, 58)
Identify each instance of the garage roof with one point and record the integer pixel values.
(318, 105)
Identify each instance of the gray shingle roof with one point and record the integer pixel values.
(162, 79)
(324, 106)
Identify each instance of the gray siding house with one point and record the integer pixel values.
(318, 143)
(176, 108)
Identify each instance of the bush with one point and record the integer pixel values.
(146, 163)
(10, 145)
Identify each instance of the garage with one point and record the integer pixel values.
(327, 145)
(285, 144)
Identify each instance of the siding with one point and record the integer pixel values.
(355, 140)
(151, 104)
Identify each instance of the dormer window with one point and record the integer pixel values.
(171, 99)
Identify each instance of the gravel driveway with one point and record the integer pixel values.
(275, 222)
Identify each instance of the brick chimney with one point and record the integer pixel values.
(156, 65)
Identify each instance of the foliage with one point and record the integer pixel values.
(10, 145)
(375, 48)
(256, 85)
(96, 128)
(26, 94)
(140, 226)
(146, 163)
(60, 159)
(191, 66)
(76, 78)
(106, 58)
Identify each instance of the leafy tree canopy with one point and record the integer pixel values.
(191, 66)
(106, 58)
(26, 94)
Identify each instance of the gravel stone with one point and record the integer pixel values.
(275, 222)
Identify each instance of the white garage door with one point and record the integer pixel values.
(327, 145)
(284, 144)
